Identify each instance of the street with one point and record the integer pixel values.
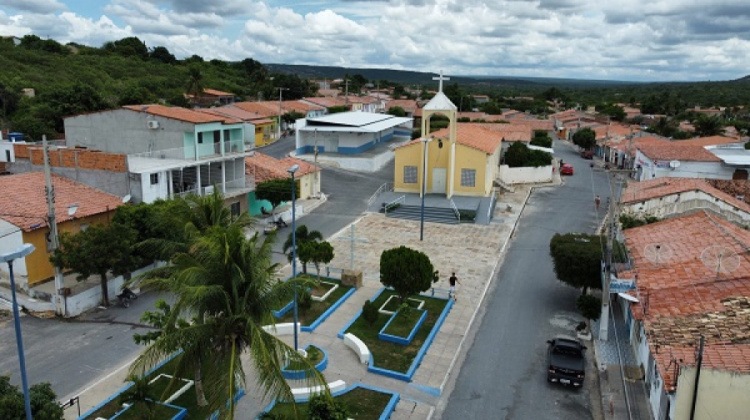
(503, 375)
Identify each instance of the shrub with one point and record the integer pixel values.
(370, 312)
(519, 155)
(589, 306)
(326, 408)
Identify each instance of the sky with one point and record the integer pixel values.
(634, 40)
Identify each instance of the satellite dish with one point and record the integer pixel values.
(126, 199)
(658, 253)
(720, 259)
(674, 164)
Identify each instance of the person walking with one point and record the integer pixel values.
(452, 292)
(597, 201)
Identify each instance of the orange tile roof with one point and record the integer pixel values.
(708, 141)
(471, 135)
(660, 187)
(725, 357)
(623, 144)
(176, 113)
(508, 132)
(326, 102)
(409, 105)
(24, 204)
(329, 92)
(674, 150)
(214, 92)
(266, 168)
(232, 112)
(300, 106)
(684, 293)
(266, 109)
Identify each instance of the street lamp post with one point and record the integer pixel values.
(425, 142)
(291, 171)
(281, 89)
(21, 252)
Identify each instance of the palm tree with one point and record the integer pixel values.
(302, 235)
(140, 394)
(195, 84)
(227, 280)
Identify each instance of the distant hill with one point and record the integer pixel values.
(407, 77)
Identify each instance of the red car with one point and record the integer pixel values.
(567, 169)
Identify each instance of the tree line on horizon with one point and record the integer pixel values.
(73, 78)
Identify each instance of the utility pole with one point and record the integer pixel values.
(52, 224)
(346, 92)
(699, 362)
(281, 89)
(316, 184)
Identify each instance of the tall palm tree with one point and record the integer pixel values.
(227, 280)
(302, 235)
(195, 84)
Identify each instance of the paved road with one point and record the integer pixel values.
(503, 375)
(71, 354)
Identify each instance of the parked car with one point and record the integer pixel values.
(567, 169)
(587, 154)
(566, 361)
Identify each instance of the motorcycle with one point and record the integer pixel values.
(125, 297)
(280, 223)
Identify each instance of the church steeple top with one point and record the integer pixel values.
(440, 79)
(440, 102)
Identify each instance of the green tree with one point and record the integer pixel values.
(577, 260)
(43, 401)
(370, 312)
(708, 125)
(322, 254)
(590, 307)
(302, 236)
(195, 83)
(226, 282)
(141, 395)
(396, 111)
(323, 407)
(541, 139)
(407, 271)
(128, 47)
(98, 250)
(162, 55)
(585, 138)
(276, 191)
(519, 155)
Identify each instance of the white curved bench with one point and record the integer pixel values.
(354, 343)
(301, 393)
(286, 328)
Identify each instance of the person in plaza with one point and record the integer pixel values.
(597, 201)
(452, 292)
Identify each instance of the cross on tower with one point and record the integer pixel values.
(440, 80)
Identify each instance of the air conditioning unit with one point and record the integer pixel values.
(153, 124)
(208, 190)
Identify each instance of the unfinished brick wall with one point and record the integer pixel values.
(73, 158)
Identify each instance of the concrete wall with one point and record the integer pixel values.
(151, 193)
(469, 158)
(686, 201)
(11, 239)
(124, 131)
(115, 183)
(687, 169)
(7, 153)
(721, 394)
(525, 175)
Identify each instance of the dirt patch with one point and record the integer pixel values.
(5, 315)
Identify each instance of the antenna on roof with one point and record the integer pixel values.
(720, 259)
(657, 253)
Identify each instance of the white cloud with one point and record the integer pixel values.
(629, 39)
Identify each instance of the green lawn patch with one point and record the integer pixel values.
(403, 322)
(395, 304)
(317, 308)
(314, 356)
(139, 411)
(394, 356)
(361, 404)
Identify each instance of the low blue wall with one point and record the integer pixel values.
(404, 341)
(281, 312)
(385, 415)
(328, 312)
(354, 318)
(181, 412)
(420, 355)
(301, 374)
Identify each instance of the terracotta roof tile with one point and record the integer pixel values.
(214, 92)
(408, 105)
(176, 113)
(23, 201)
(469, 134)
(266, 168)
(266, 108)
(708, 141)
(660, 187)
(674, 150)
(326, 102)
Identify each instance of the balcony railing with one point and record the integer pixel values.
(234, 147)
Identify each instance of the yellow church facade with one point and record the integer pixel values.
(462, 159)
(467, 167)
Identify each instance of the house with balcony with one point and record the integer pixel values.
(170, 150)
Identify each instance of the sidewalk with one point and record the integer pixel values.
(623, 391)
